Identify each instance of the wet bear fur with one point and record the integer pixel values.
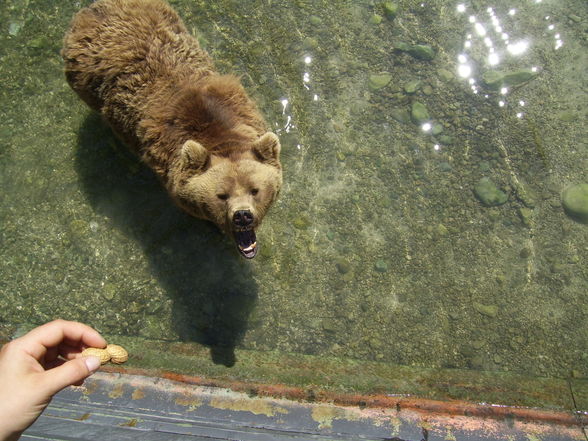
(135, 63)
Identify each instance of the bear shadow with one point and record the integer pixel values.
(212, 288)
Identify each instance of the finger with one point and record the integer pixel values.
(70, 352)
(70, 372)
(50, 356)
(75, 343)
(55, 363)
(64, 351)
(53, 333)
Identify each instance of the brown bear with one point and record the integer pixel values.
(135, 63)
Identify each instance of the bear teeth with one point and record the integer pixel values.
(249, 248)
(246, 243)
(250, 251)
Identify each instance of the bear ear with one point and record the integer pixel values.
(267, 149)
(194, 156)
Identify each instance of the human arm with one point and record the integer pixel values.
(39, 364)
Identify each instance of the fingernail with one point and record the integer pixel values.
(92, 363)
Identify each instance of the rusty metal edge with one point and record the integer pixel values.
(419, 405)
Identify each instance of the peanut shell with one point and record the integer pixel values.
(117, 353)
(102, 354)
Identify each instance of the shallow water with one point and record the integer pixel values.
(378, 248)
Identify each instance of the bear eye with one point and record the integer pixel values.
(254, 191)
(222, 196)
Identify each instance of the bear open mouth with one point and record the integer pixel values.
(246, 243)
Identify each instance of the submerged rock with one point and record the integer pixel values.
(441, 230)
(446, 139)
(14, 28)
(575, 202)
(343, 266)
(445, 75)
(376, 19)
(39, 43)
(519, 77)
(381, 266)
(419, 51)
(310, 43)
(526, 215)
(390, 10)
(378, 81)
(437, 129)
(487, 310)
(412, 86)
(419, 113)
(315, 20)
(445, 166)
(494, 80)
(400, 115)
(489, 194)
(301, 222)
(422, 51)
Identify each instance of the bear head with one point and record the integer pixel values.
(232, 191)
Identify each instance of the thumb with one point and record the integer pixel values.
(70, 372)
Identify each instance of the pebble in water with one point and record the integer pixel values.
(422, 52)
(419, 113)
(378, 81)
(412, 86)
(489, 194)
(381, 266)
(390, 10)
(575, 202)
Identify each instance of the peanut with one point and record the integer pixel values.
(113, 353)
(102, 354)
(117, 353)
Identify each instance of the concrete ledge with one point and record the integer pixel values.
(124, 407)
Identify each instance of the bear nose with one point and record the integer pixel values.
(243, 218)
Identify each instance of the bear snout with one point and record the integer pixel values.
(243, 219)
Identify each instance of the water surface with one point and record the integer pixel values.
(379, 248)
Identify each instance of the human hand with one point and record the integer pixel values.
(39, 364)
